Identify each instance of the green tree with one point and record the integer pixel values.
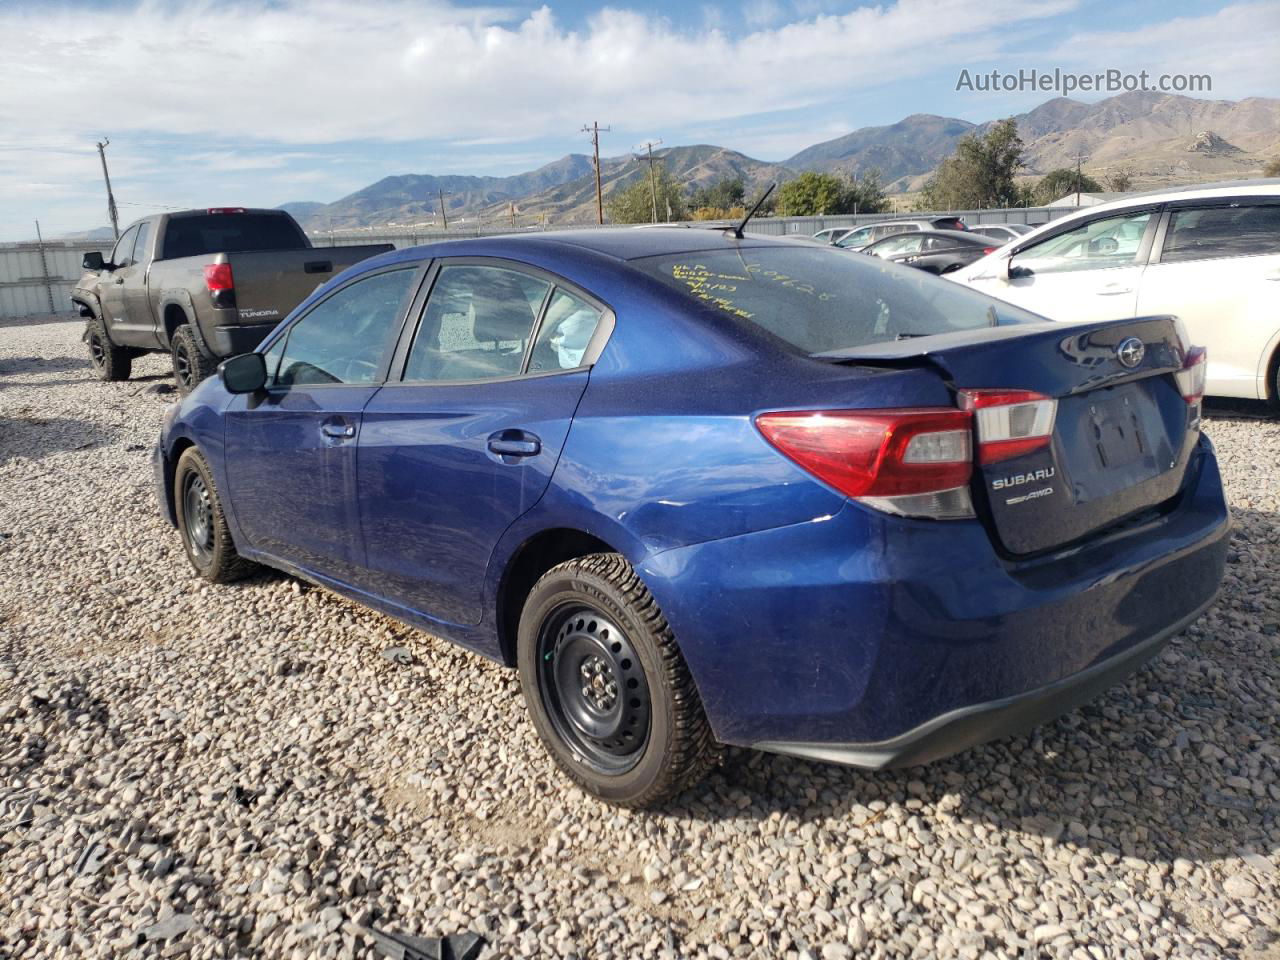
(1272, 168)
(1121, 181)
(1058, 183)
(817, 194)
(980, 173)
(634, 204)
(721, 195)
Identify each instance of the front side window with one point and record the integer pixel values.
(344, 338)
(140, 248)
(1203, 233)
(820, 300)
(1108, 242)
(477, 324)
(122, 252)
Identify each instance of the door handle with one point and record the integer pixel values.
(1112, 290)
(515, 443)
(338, 431)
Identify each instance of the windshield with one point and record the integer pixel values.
(819, 300)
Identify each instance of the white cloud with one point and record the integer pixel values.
(328, 71)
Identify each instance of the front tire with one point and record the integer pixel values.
(190, 363)
(606, 686)
(108, 361)
(202, 522)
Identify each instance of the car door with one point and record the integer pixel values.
(466, 441)
(138, 319)
(291, 450)
(1087, 271)
(111, 286)
(1216, 265)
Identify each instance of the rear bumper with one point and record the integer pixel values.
(967, 727)
(233, 341)
(882, 640)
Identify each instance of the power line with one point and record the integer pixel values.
(595, 130)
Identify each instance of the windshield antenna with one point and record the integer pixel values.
(737, 231)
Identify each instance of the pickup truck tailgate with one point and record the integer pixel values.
(270, 283)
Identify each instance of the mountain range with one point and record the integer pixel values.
(1159, 139)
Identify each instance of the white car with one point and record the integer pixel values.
(1209, 255)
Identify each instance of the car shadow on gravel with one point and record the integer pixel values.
(33, 438)
(1176, 762)
(1225, 408)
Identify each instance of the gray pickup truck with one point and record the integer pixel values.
(201, 285)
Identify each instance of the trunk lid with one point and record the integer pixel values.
(1122, 435)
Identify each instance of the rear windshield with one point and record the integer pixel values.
(229, 233)
(818, 299)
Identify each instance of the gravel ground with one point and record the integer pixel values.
(238, 771)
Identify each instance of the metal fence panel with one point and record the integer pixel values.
(26, 289)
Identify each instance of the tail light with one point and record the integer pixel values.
(909, 462)
(989, 250)
(1010, 422)
(1191, 380)
(221, 284)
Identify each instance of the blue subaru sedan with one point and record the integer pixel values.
(705, 489)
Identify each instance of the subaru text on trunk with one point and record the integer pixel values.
(705, 489)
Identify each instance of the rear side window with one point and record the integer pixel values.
(344, 338)
(477, 324)
(230, 233)
(1203, 233)
(566, 331)
(819, 300)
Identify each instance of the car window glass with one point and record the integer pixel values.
(894, 246)
(1202, 233)
(343, 339)
(140, 247)
(271, 358)
(123, 250)
(1108, 242)
(477, 324)
(856, 238)
(565, 332)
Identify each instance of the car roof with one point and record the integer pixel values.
(961, 236)
(1208, 191)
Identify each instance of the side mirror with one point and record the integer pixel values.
(246, 373)
(93, 261)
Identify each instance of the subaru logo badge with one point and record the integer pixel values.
(1130, 352)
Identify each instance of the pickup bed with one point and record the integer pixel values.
(201, 285)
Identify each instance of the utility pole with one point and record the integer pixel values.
(443, 213)
(1079, 159)
(111, 199)
(595, 130)
(653, 180)
(511, 204)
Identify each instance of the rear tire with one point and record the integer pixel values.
(107, 360)
(606, 687)
(190, 363)
(202, 522)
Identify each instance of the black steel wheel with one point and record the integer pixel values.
(606, 686)
(202, 523)
(593, 686)
(107, 360)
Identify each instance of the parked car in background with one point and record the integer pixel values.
(833, 234)
(864, 236)
(937, 251)
(1003, 232)
(1209, 255)
(700, 488)
(200, 285)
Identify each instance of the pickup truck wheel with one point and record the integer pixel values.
(606, 687)
(202, 523)
(108, 361)
(190, 363)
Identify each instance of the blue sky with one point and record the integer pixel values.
(245, 101)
